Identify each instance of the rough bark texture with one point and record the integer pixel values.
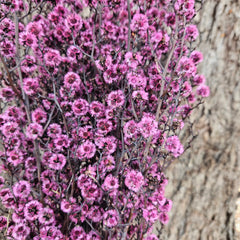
(204, 183)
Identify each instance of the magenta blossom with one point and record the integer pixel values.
(111, 218)
(174, 146)
(34, 130)
(32, 210)
(57, 161)
(86, 150)
(134, 180)
(203, 90)
(22, 189)
(115, 99)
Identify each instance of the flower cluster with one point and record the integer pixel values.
(95, 95)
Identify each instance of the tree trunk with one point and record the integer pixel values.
(204, 182)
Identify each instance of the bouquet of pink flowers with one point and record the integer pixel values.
(93, 97)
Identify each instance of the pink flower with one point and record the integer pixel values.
(34, 130)
(133, 59)
(83, 180)
(78, 233)
(73, 53)
(203, 90)
(191, 33)
(111, 218)
(46, 216)
(171, 19)
(185, 8)
(80, 107)
(163, 217)
(57, 161)
(156, 38)
(28, 39)
(175, 86)
(85, 132)
(91, 192)
(104, 126)
(61, 10)
(136, 80)
(32, 210)
(71, 79)
(191, 98)
(184, 110)
(66, 206)
(110, 113)
(48, 187)
(7, 27)
(39, 116)
(107, 163)
(10, 129)
(61, 141)
(20, 231)
(115, 99)
(108, 144)
(130, 128)
(28, 65)
(22, 189)
(52, 58)
(139, 22)
(167, 206)
(14, 114)
(140, 95)
(7, 48)
(97, 109)
(74, 21)
(199, 79)
(6, 94)
(150, 214)
(93, 236)
(134, 180)
(174, 146)
(186, 89)
(15, 157)
(50, 232)
(46, 104)
(110, 183)
(181, 51)
(186, 67)
(3, 222)
(86, 150)
(54, 129)
(30, 86)
(46, 160)
(18, 217)
(196, 56)
(148, 126)
(31, 164)
(35, 28)
(7, 198)
(158, 197)
(110, 75)
(95, 214)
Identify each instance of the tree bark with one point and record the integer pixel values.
(204, 183)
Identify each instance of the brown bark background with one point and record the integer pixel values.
(204, 182)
